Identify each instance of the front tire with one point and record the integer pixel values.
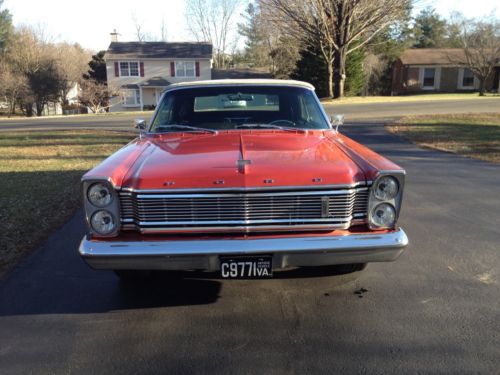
(131, 275)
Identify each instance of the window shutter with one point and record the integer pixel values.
(141, 67)
(197, 67)
(117, 69)
(172, 69)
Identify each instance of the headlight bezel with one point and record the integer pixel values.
(113, 218)
(113, 207)
(109, 190)
(395, 202)
(372, 215)
(378, 183)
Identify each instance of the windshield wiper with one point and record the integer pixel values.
(186, 127)
(267, 126)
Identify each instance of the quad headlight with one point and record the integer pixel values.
(99, 195)
(386, 188)
(385, 200)
(103, 222)
(102, 207)
(383, 215)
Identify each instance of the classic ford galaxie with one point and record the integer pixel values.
(241, 177)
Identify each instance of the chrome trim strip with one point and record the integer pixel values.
(297, 189)
(190, 254)
(247, 229)
(278, 194)
(243, 222)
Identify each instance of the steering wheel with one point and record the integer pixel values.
(278, 121)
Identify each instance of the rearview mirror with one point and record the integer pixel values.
(140, 124)
(336, 121)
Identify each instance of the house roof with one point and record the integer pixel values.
(239, 73)
(432, 56)
(176, 50)
(155, 82)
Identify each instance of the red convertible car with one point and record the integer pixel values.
(241, 177)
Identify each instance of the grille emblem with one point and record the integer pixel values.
(219, 182)
(325, 209)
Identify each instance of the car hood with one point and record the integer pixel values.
(248, 158)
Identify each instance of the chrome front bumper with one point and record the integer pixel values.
(204, 254)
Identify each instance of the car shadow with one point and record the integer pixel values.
(103, 291)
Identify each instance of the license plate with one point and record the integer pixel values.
(252, 267)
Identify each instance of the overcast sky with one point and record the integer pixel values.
(89, 22)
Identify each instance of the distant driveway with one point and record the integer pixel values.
(353, 112)
(393, 110)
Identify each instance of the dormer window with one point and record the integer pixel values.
(129, 69)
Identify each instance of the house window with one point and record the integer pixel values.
(429, 77)
(185, 69)
(468, 78)
(131, 97)
(129, 69)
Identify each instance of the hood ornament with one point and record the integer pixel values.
(242, 162)
(242, 165)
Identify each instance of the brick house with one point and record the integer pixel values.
(140, 71)
(436, 70)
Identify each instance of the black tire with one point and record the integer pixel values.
(131, 275)
(342, 269)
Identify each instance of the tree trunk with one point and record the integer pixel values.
(481, 87)
(39, 109)
(330, 80)
(339, 74)
(12, 108)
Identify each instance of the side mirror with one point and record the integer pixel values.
(140, 124)
(337, 120)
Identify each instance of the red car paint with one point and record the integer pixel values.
(278, 158)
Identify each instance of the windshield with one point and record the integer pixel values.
(238, 107)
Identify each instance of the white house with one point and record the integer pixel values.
(140, 71)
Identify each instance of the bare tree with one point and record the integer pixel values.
(140, 35)
(94, 95)
(14, 86)
(213, 21)
(72, 61)
(480, 41)
(163, 31)
(339, 27)
(31, 57)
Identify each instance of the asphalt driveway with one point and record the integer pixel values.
(435, 310)
(352, 112)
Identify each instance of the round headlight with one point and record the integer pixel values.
(99, 195)
(386, 188)
(383, 216)
(103, 222)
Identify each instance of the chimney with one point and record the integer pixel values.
(114, 36)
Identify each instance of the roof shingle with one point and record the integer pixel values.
(432, 56)
(179, 50)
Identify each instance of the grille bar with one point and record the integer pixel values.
(253, 211)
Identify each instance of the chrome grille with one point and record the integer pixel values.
(250, 211)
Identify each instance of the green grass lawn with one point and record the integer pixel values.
(4, 118)
(473, 135)
(408, 98)
(40, 174)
